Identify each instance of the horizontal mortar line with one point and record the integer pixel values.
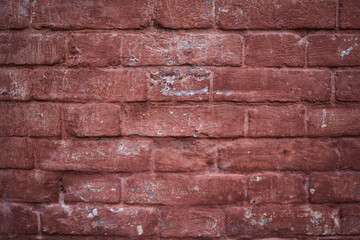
(188, 137)
(138, 137)
(61, 66)
(185, 104)
(214, 29)
(208, 173)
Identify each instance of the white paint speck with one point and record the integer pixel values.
(323, 118)
(343, 53)
(186, 93)
(139, 229)
(312, 190)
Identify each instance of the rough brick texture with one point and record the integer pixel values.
(180, 119)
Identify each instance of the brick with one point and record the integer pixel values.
(92, 120)
(184, 13)
(349, 14)
(191, 223)
(29, 186)
(96, 49)
(275, 14)
(90, 84)
(277, 121)
(36, 48)
(106, 14)
(255, 85)
(348, 86)
(350, 219)
(104, 155)
(274, 50)
(185, 155)
(277, 188)
(350, 152)
(180, 84)
(29, 119)
(183, 120)
(334, 50)
(184, 190)
(246, 155)
(281, 220)
(182, 49)
(333, 121)
(342, 187)
(87, 219)
(14, 14)
(17, 219)
(92, 188)
(15, 85)
(16, 153)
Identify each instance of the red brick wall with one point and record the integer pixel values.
(216, 119)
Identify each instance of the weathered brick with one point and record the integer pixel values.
(333, 121)
(282, 221)
(334, 50)
(277, 121)
(350, 152)
(180, 84)
(275, 14)
(182, 49)
(15, 84)
(277, 188)
(14, 14)
(342, 187)
(92, 120)
(105, 14)
(277, 154)
(179, 189)
(254, 85)
(16, 153)
(96, 49)
(92, 188)
(104, 155)
(29, 119)
(183, 120)
(350, 219)
(274, 50)
(349, 14)
(17, 219)
(184, 155)
(36, 48)
(348, 86)
(87, 219)
(29, 186)
(184, 13)
(90, 84)
(191, 222)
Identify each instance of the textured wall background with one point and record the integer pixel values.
(227, 119)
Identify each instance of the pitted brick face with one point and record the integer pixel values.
(180, 119)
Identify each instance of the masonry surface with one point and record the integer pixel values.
(180, 119)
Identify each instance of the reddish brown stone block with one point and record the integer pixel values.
(16, 153)
(92, 120)
(105, 155)
(106, 14)
(87, 219)
(275, 14)
(178, 189)
(183, 120)
(92, 188)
